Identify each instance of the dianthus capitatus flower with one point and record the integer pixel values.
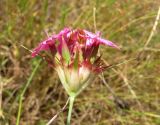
(74, 55)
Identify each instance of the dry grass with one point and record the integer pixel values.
(136, 84)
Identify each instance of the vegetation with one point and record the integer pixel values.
(127, 94)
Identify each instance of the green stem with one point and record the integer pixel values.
(71, 101)
(23, 92)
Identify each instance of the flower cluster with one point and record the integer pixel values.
(74, 56)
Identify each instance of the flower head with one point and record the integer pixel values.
(74, 56)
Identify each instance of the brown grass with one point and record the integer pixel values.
(135, 84)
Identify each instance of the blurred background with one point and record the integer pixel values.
(131, 94)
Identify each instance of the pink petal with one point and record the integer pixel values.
(99, 39)
(45, 45)
(63, 33)
(62, 38)
(92, 35)
(107, 42)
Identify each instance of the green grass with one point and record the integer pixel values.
(126, 22)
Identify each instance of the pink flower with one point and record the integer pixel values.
(74, 56)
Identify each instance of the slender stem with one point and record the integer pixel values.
(71, 101)
(23, 92)
(19, 110)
